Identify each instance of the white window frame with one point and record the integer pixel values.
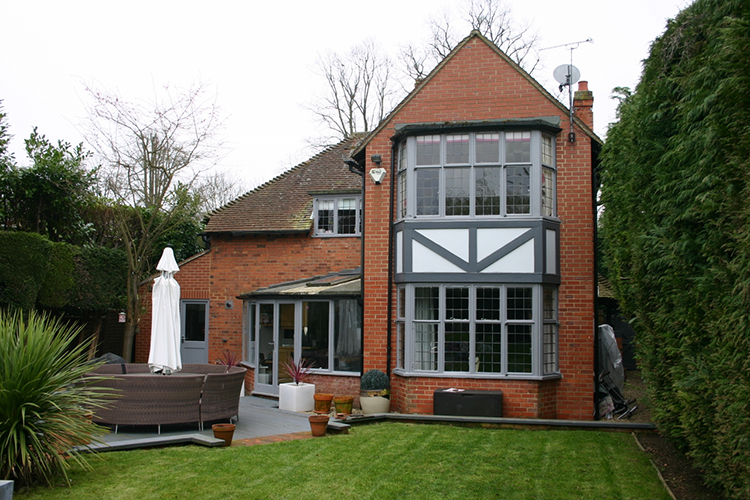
(335, 200)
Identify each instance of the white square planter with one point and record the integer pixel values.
(293, 397)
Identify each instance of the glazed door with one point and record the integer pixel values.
(276, 325)
(194, 322)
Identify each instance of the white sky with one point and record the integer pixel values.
(258, 59)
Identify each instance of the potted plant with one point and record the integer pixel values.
(318, 424)
(224, 431)
(375, 391)
(297, 395)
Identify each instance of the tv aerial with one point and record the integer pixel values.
(566, 75)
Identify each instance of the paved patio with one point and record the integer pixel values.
(260, 421)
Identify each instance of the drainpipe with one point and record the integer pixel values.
(389, 328)
(358, 169)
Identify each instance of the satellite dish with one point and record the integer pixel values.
(566, 74)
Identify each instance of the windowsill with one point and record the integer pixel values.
(458, 375)
(322, 235)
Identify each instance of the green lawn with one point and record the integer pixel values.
(380, 461)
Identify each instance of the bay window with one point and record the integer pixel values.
(503, 173)
(478, 330)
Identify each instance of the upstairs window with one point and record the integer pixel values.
(503, 173)
(338, 216)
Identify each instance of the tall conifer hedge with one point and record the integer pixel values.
(676, 229)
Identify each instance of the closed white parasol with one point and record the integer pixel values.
(165, 318)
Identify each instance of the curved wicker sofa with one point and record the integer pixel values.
(199, 393)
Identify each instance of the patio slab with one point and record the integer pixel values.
(258, 418)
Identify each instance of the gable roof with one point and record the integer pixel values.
(359, 150)
(284, 204)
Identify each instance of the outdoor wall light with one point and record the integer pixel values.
(377, 175)
(376, 159)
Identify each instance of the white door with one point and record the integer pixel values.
(194, 325)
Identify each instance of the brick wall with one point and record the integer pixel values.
(241, 264)
(477, 84)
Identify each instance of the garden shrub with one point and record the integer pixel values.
(23, 265)
(42, 402)
(676, 230)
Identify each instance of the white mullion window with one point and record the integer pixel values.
(426, 328)
(519, 329)
(456, 329)
(550, 328)
(488, 330)
(338, 216)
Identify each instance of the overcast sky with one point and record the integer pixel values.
(258, 59)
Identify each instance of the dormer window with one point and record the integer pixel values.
(503, 173)
(338, 215)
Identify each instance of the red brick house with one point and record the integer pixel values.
(453, 246)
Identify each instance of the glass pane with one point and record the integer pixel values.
(548, 192)
(428, 191)
(401, 303)
(487, 191)
(517, 183)
(265, 340)
(457, 148)
(457, 303)
(428, 150)
(487, 148)
(425, 346)
(517, 147)
(315, 333)
(400, 328)
(550, 348)
(325, 216)
(489, 348)
(457, 189)
(402, 157)
(519, 348)
(550, 306)
(456, 347)
(347, 335)
(488, 304)
(426, 303)
(250, 318)
(195, 322)
(347, 215)
(547, 150)
(519, 303)
(401, 207)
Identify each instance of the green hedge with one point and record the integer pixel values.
(676, 231)
(35, 272)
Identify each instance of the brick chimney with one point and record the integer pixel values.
(583, 104)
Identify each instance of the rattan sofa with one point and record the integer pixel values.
(198, 394)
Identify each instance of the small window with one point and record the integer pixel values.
(338, 216)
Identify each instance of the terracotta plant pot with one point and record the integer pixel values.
(318, 424)
(323, 403)
(224, 431)
(343, 405)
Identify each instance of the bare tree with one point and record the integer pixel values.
(218, 189)
(492, 18)
(360, 90)
(152, 155)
